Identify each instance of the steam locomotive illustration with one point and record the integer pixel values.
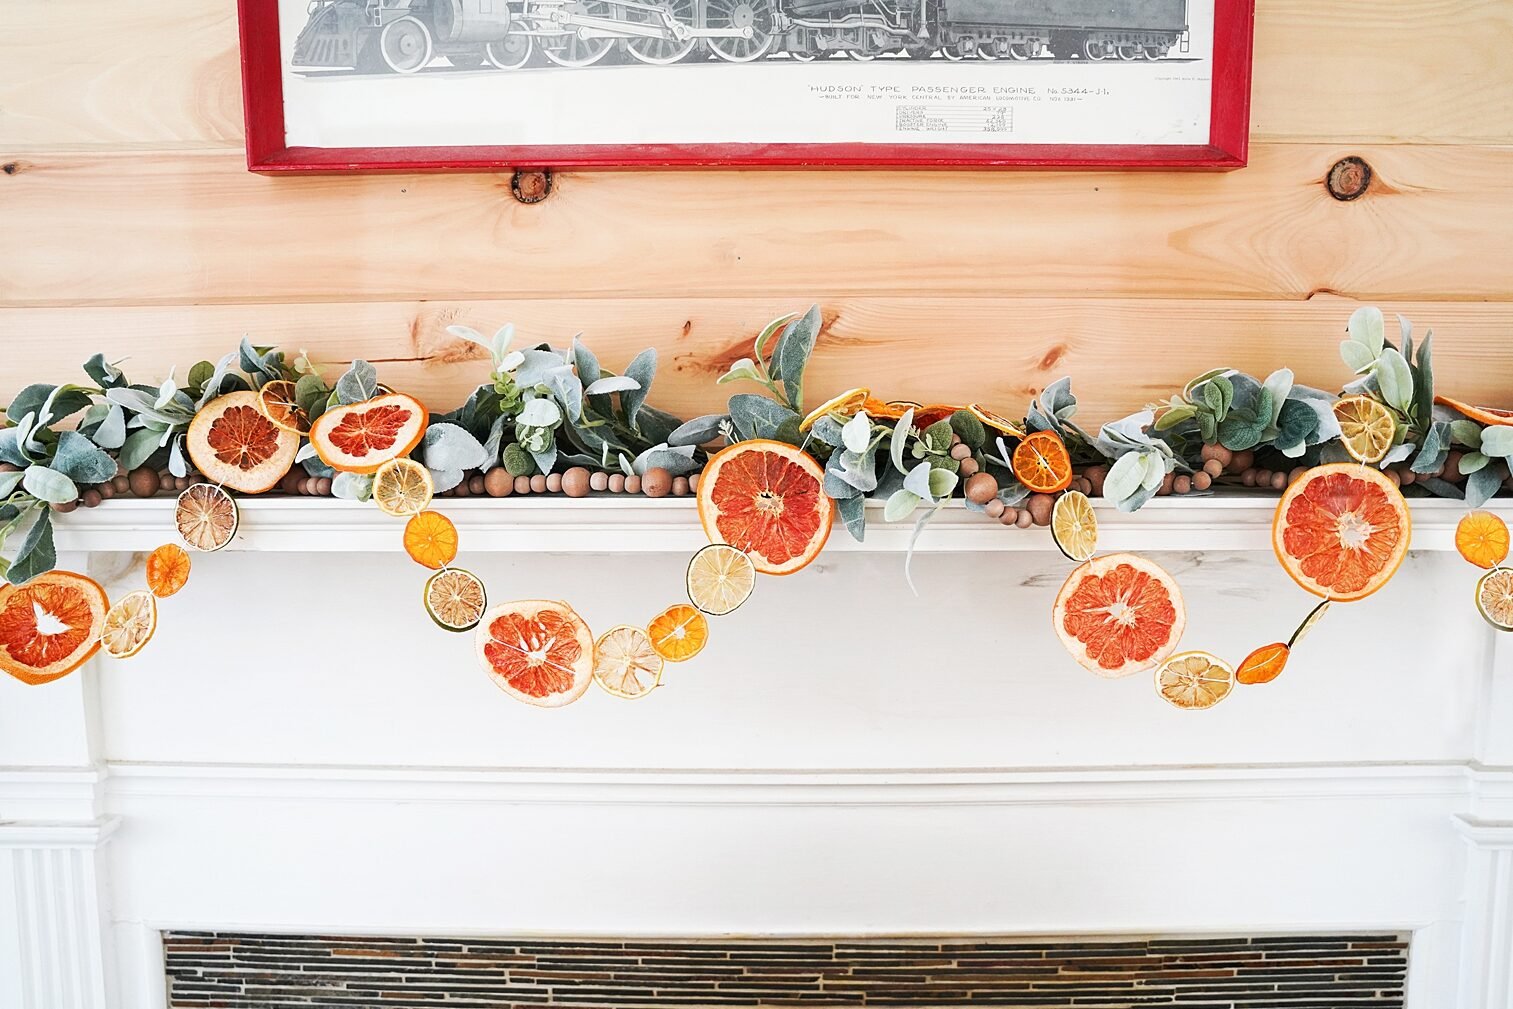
(404, 36)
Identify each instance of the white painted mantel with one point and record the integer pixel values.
(299, 749)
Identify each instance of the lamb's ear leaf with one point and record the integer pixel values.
(854, 513)
(642, 369)
(37, 554)
(792, 354)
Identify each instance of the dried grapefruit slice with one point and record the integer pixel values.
(679, 632)
(1074, 527)
(1482, 539)
(1119, 614)
(926, 416)
(1264, 664)
(431, 539)
(167, 569)
(626, 662)
(766, 499)
(878, 410)
(129, 624)
(455, 599)
(361, 437)
(847, 403)
(1488, 415)
(50, 626)
(1041, 462)
(1341, 531)
(206, 517)
(537, 651)
(402, 487)
(1366, 428)
(1194, 680)
(720, 579)
(232, 443)
(1494, 597)
(279, 404)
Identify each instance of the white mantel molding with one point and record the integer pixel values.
(633, 524)
(1487, 953)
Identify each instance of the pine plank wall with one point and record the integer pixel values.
(128, 223)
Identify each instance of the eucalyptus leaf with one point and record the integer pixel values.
(857, 433)
(1241, 431)
(917, 481)
(900, 505)
(1466, 432)
(1296, 423)
(37, 554)
(46, 484)
(138, 448)
(1481, 485)
(81, 460)
(1279, 385)
(1367, 328)
(1473, 462)
(900, 440)
(942, 483)
(1497, 440)
(1395, 380)
(265, 363)
(642, 369)
(1155, 472)
(1357, 357)
(357, 384)
(111, 432)
(1125, 476)
(536, 365)
(540, 412)
(452, 447)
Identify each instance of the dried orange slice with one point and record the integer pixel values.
(1488, 415)
(167, 569)
(278, 403)
(1041, 462)
(1119, 614)
(360, 437)
(878, 410)
(233, 444)
(1074, 527)
(1482, 539)
(679, 632)
(925, 416)
(846, 403)
(431, 539)
(537, 651)
(129, 624)
(626, 662)
(455, 599)
(402, 487)
(996, 421)
(1494, 598)
(1367, 428)
(1194, 680)
(206, 517)
(1264, 664)
(50, 626)
(766, 499)
(1341, 531)
(720, 579)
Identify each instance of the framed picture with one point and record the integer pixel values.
(414, 85)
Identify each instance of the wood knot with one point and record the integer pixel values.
(1349, 179)
(531, 186)
(11, 167)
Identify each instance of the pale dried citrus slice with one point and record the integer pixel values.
(678, 632)
(1074, 527)
(50, 626)
(996, 421)
(1194, 680)
(278, 403)
(233, 443)
(1041, 462)
(402, 487)
(1341, 530)
(537, 651)
(720, 579)
(1264, 664)
(846, 403)
(431, 539)
(1366, 428)
(129, 624)
(1482, 539)
(455, 599)
(1494, 598)
(1314, 616)
(167, 569)
(626, 662)
(766, 498)
(206, 517)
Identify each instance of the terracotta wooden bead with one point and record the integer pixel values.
(554, 483)
(960, 451)
(994, 508)
(616, 483)
(522, 485)
(1024, 520)
(323, 485)
(1222, 456)
(538, 484)
(65, 507)
(289, 484)
(1202, 481)
(1248, 478)
(461, 490)
(1206, 452)
(657, 482)
(1409, 477)
(107, 490)
(1183, 484)
(693, 483)
(969, 466)
(575, 482)
(981, 488)
(144, 482)
(475, 484)
(1009, 516)
(90, 498)
(1166, 483)
(598, 480)
(1039, 508)
(1242, 461)
(497, 482)
(1299, 471)
(1213, 467)
(680, 486)
(633, 484)
(121, 482)
(1279, 481)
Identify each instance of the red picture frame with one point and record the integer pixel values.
(269, 153)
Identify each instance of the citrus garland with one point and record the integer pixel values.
(1341, 529)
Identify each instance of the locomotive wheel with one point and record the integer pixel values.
(511, 52)
(1019, 52)
(1154, 53)
(756, 14)
(952, 51)
(406, 45)
(571, 49)
(661, 52)
(1129, 53)
(859, 56)
(1094, 50)
(804, 57)
(985, 50)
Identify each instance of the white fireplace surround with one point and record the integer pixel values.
(300, 750)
